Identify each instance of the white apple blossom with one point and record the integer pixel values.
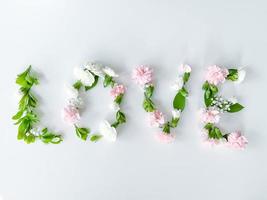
(95, 68)
(71, 91)
(108, 132)
(86, 77)
(110, 72)
(178, 84)
(114, 106)
(241, 75)
(176, 114)
(76, 102)
(184, 69)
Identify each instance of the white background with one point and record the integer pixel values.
(56, 35)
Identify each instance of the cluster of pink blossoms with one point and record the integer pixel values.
(142, 75)
(71, 114)
(157, 118)
(236, 140)
(117, 90)
(210, 116)
(216, 75)
(165, 138)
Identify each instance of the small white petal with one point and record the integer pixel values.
(178, 84)
(36, 131)
(184, 69)
(108, 132)
(110, 72)
(241, 76)
(86, 77)
(71, 91)
(95, 68)
(114, 106)
(176, 114)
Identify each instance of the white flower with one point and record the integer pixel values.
(71, 92)
(110, 72)
(108, 132)
(185, 69)
(114, 106)
(178, 84)
(241, 75)
(76, 102)
(87, 78)
(233, 100)
(36, 131)
(176, 114)
(95, 68)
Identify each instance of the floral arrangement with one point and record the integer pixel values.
(143, 76)
(26, 118)
(88, 77)
(216, 104)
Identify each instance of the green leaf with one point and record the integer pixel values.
(120, 117)
(217, 133)
(95, 138)
(235, 108)
(93, 85)
(24, 127)
(233, 74)
(108, 80)
(205, 86)
(179, 101)
(149, 91)
(118, 99)
(184, 92)
(208, 126)
(82, 132)
(148, 105)
(25, 80)
(29, 138)
(166, 128)
(18, 115)
(115, 124)
(78, 85)
(174, 122)
(186, 77)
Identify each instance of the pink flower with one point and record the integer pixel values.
(142, 75)
(117, 90)
(71, 114)
(157, 118)
(211, 142)
(236, 140)
(210, 116)
(216, 75)
(165, 138)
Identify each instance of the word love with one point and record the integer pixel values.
(89, 75)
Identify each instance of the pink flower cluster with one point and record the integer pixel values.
(142, 75)
(216, 75)
(210, 116)
(71, 114)
(236, 140)
(165, 138)
(117, 90)
(157, 118)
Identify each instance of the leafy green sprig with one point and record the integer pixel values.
(26, 118)
(212, 99)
